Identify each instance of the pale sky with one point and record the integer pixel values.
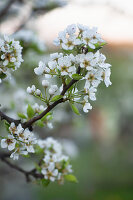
(114, 22)
(114, 19)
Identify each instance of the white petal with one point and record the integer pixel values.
(11, 146)
(3, 143)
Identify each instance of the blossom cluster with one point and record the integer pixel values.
(81, 60)
(45, 84)
(68, 39)
(20, 141)
(10, 56)
(55, 164)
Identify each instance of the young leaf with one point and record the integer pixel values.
(40, 123)
(26, 156)
(67, 51)
(21, 115)
(2, 75)
(38, 149)
(45, 117)
(42, 182)
(71, 178)
(30, 111)
(77, 77)
(56, 98)
(75, 109)
(7, 125)
(38, 167)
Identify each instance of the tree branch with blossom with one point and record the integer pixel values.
(79, 61)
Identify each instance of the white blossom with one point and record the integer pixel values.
(45, 83)
(71, 29)
(9, 143)
(91, 92)
(106, 77)
(38, 92)
(41, 69)
(55, 164)
(31, 89)
(24, 139)
(87, 106)
(10, 56)
(53, 89)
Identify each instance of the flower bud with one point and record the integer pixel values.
(45, 83)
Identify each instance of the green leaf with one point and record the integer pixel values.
(7, 125)
(67, 80)
(10, 43)
(67, 51)
(26, 156)
(30, 111)
(77, 77)
(42, 182)
(45, 117)
(56, 98)
(97, 47)
(45, 182)
(11, 65)
(71, 178)
(75, 109)
(21, 115)
(2, 75)
(39, 150)
(38, 167)
(40, 123)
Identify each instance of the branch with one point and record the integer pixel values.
(29, 123)
(8, 119)
(27, 174)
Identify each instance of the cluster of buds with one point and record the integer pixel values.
(48, 88)
(55, 165)
(20, 141)
(10, 56)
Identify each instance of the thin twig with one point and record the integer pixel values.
(29, 123)
(8, 119)
(33, 172)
